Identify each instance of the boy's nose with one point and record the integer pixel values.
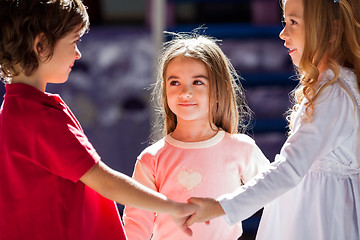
(78, 54)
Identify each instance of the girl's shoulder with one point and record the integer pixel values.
(349, 80)
(239, 138)
(153, 149)
(345, 75)
(346, 86)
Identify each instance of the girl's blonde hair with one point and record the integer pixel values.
(332, 33)
(226, 95)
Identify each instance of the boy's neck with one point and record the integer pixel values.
(30, 80)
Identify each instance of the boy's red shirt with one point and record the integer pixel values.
(43, 154)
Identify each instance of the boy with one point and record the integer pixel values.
(53, 184)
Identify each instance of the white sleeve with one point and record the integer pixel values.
(139, 223)
(257, 164)
(332, 123)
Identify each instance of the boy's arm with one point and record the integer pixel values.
(126, 191)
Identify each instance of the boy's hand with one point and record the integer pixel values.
(183, 213)
(208, 209)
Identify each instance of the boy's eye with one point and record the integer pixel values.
(293, 22)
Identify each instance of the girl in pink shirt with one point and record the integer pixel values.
(201, 153)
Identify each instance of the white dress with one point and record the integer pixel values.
(312, 190)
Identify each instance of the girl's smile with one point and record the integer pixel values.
(291, 51)
(187, 104)
(187, 89)
(294, 30)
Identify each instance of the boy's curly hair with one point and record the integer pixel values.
(21, 21)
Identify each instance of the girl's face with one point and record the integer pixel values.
(294, 31)
(58, 67)
(187, 89)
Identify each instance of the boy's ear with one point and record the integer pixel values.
(40, 44)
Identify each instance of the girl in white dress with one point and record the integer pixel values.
(312, 189)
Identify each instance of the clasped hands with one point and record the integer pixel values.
(198, 210)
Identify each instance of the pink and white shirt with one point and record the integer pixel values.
(181, 170)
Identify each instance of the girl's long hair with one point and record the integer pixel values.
(332, 33)
(227, 103)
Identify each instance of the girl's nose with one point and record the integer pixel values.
(77, 54)
(283, 35)
(186, 92)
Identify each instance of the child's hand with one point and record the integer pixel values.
(208, 209)
(183, 213)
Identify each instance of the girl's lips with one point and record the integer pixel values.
(186, 104)
(292, 50)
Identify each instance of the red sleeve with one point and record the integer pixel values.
(61, 146)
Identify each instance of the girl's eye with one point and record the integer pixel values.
(174, 83)
(77, 41)
(198, 82)
(291, 22)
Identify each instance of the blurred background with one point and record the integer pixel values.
(108, 89)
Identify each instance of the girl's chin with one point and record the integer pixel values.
(295, 62)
